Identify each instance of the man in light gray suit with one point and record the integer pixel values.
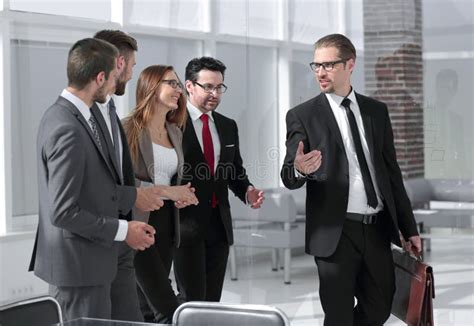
(81, 196)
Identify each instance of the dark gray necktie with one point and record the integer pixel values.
(115, 133)
(95, 130)
(364, 169)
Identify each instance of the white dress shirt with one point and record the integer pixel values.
(86, 113)
(195, 115)
(357, 197)
(165, 164)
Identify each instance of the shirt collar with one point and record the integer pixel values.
(338, 99)
(104, 107)
(78, 103)
(195, 113)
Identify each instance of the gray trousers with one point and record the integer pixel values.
(117, 300)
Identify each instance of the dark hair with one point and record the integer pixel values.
(340, 42)
(124, 42)
(87, 58)
(204, 63)
(140, 117)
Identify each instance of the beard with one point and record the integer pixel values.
(100, 95)
(120, 87)
(121, 82)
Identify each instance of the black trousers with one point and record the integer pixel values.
(153, 267)
(362, 268)
(200, 268)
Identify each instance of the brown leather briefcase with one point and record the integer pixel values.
(413, 300)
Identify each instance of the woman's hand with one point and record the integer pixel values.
(182, 195)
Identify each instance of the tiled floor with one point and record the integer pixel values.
(452, 259)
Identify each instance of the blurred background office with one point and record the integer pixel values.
(416, 55)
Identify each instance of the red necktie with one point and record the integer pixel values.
(208, 150)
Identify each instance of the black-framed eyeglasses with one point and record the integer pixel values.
(173, 83)
(327, 66)
(208, 88)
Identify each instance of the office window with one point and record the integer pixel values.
(309, 20)
(354, 20)
(176, 14)
(303, 84)
(452, 33)
(32, 63)
(169, 51)
(252, 101)
(448, 98)
(97, 9)
(248, 18)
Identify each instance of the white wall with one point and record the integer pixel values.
(15, 280)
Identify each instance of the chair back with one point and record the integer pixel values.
(38, 311)
(277, 207)
(198, 313)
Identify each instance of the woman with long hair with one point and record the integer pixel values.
(154, 135)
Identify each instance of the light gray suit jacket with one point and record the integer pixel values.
(79, 202)
(144, 169)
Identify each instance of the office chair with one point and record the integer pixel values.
(198, 313)
(38, 311)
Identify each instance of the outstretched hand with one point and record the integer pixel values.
(255, 197)
(309, 162)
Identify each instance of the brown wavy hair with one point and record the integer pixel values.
(148, 82)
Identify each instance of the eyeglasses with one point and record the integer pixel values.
(327, 66)
(173, 83)
(208, 88)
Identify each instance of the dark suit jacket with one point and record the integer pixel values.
(80, 199)
(327, 189)
(229, 174)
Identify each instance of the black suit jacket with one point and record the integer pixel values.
(230, 173)
(327, 190)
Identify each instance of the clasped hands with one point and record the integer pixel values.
(150, 198)
(141, 235)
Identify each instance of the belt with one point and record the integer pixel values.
(364, 219)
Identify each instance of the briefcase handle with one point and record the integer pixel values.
(405, 252)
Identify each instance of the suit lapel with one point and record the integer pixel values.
(220, 130)
(191, 145)
(74, 111)
(176, 140)
(127, 165)
(331, 122)
(368, 124)
(105, 132)
(146, 149)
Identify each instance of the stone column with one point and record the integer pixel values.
(394, 73)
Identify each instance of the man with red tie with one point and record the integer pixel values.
(212, 165)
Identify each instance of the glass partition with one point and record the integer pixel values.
(420, 65)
